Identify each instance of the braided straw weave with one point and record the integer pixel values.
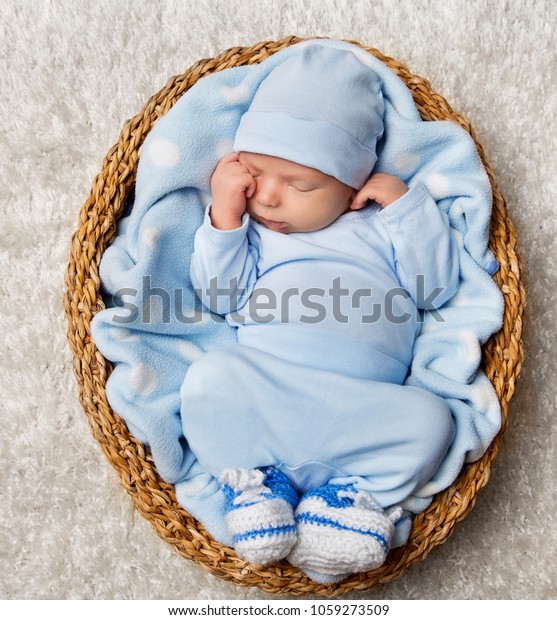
(155, 500)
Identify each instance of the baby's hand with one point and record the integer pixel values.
(381, 187)
(231, 184)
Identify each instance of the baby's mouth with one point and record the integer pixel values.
(273, 224)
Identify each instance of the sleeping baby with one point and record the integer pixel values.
(325, 269)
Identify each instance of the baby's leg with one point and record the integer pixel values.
(242, 408)
(224, 400)
(341, 529)
(412, 430)
(222, 426)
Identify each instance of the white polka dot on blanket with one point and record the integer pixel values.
(121, 334)
(189, 351)
(235, 94)
(469, 345)
(163, 153)
(143, 379)
(150, 237)
(437, 184)
(190, 488)
(406, 163)
(483, 396)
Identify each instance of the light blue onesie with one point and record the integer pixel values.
(326, 326)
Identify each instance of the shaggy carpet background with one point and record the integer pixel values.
(71, 73)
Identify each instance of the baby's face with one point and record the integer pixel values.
(293, 198)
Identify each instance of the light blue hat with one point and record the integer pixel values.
(321, 108)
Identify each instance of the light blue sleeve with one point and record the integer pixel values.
(426, 253)
(223, 267)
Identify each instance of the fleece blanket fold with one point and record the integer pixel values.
(154, 326)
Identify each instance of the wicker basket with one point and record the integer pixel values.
(155, 500)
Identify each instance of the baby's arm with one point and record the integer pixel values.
(223, 267)
(426, 254)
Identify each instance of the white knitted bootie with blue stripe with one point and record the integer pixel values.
(341, 531)
(259, 513)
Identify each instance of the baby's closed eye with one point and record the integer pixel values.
(303, 189)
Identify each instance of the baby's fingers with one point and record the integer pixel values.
(251, 187)
(360, 199)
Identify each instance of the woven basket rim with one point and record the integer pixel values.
(502, 355)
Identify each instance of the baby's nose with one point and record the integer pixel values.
(267, 193)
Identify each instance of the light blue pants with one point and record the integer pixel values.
(245, 408)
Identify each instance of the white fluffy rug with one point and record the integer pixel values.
(71, 73)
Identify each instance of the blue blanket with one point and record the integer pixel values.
(154, 326)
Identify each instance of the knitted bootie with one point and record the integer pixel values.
(341, 531)
(259, 513)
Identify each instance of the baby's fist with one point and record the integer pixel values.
(381, 187)
(231, 184)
